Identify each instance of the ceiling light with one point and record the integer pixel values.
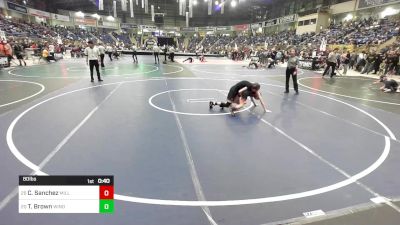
(216, 3)
(233, 3)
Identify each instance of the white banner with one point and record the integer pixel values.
(137, 2)
(110, 24)
(146, 6)
(180, 7)
(60, 17)
(152, 12)
(39, 13)
(209, 7)
(101, 5)
(123, 5)
(115, 8)
(142, 4)
(187, 19)
(222, 6)
(131, 7)
(190, 8)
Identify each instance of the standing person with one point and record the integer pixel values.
(369, 66)
(172, 53)
(8, 52)
(51, 51)
(377, 63)
(109, 50)
(92, 59)
(331, 62)
(19, 53)
(291, 70)
(156, 52)
(353, 60)
(45, 54)
(102, 52)
(346, 61)
(165, 50)
(134, 53)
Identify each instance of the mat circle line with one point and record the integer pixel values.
(155, 68)
(42, 88)
(194, 68)
(14, 150)
(192, 114)
(346, 96)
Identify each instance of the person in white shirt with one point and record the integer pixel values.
(92, 59)
(134, 53)
(172, 53)
(156, 52)
(109, 50)
(102, 52)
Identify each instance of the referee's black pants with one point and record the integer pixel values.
(102, 60)
(94, 63)
(330, 65)
(156, 58)
(134, 57)
(290, 72)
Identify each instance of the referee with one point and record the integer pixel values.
(92, 59)
(291, 70)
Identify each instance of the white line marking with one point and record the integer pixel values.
(346, 96)
(191, 114)
(333, 116)
(42, 88)
(379, 200)
(313, 214)
(199, 100)
(192, 168)
(155, 68)
(194, 68)
(73, 131)
(173, 72)
(14, 150)
(47, 159)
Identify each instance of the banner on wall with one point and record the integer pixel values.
(108, 24)
(372, 3)
(256, 25)
(87, 22)
(281, 20)
(38, 13)
(287, 19)
(241, 27)
(60, 17)
(206, 28)
(188, 29)
(227, 28)
(148, 28)
(128, 26)
(16, 7)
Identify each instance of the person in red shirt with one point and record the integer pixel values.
(8, 52)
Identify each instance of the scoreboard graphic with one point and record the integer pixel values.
(66, 194)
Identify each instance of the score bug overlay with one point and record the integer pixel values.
(66, 194)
